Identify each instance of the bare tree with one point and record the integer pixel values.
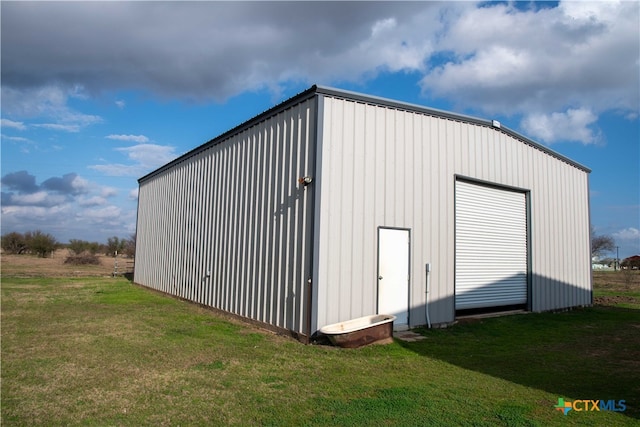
(601, 244)
(130, 246)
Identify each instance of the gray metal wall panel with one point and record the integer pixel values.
(388, 166)
(230, 226)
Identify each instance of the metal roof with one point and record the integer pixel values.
(371, 99)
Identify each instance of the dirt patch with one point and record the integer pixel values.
(612, 300)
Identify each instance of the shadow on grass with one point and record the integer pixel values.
(590, 353)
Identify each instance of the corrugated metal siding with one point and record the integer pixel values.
(491, 246)
(376, 171)
(233, 208)
(387, 166)
(230, 227)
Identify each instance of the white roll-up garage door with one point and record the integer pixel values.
(491, 246)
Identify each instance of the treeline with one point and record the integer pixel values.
(114, 245)
(44, 244)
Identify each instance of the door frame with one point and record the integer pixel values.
(408, 302)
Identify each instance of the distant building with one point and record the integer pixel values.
(633, 262)
(335, 205)
(598, 263)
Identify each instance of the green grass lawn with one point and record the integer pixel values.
(102, 351)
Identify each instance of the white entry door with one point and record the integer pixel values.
(393, 274)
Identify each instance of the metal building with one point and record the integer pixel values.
(335, 205)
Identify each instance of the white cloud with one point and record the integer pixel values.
(22, 182)
(6, 123)
(48, 102)
(150, 155)
(135, 138)
(108, 192)
(119, 169)
(120, 104)
(60, 127)
(630, 233)
(13, 216)
(572, 125)
(542, 57)
(92, 201)
(133, 194)
(80, 185)
(109, 213)
(33, 101)
(144, 158)
(15, 138)
(70, 183)
(576, 57)
(38, 199)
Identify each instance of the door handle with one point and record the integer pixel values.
(379, 277)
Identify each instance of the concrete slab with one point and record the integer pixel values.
(408, 336)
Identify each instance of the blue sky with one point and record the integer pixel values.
(96, 95)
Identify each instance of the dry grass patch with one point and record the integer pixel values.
(55, 266)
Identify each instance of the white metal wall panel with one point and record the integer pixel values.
(380, 166)
(384, 165)
(230, 226)
(491, 247)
